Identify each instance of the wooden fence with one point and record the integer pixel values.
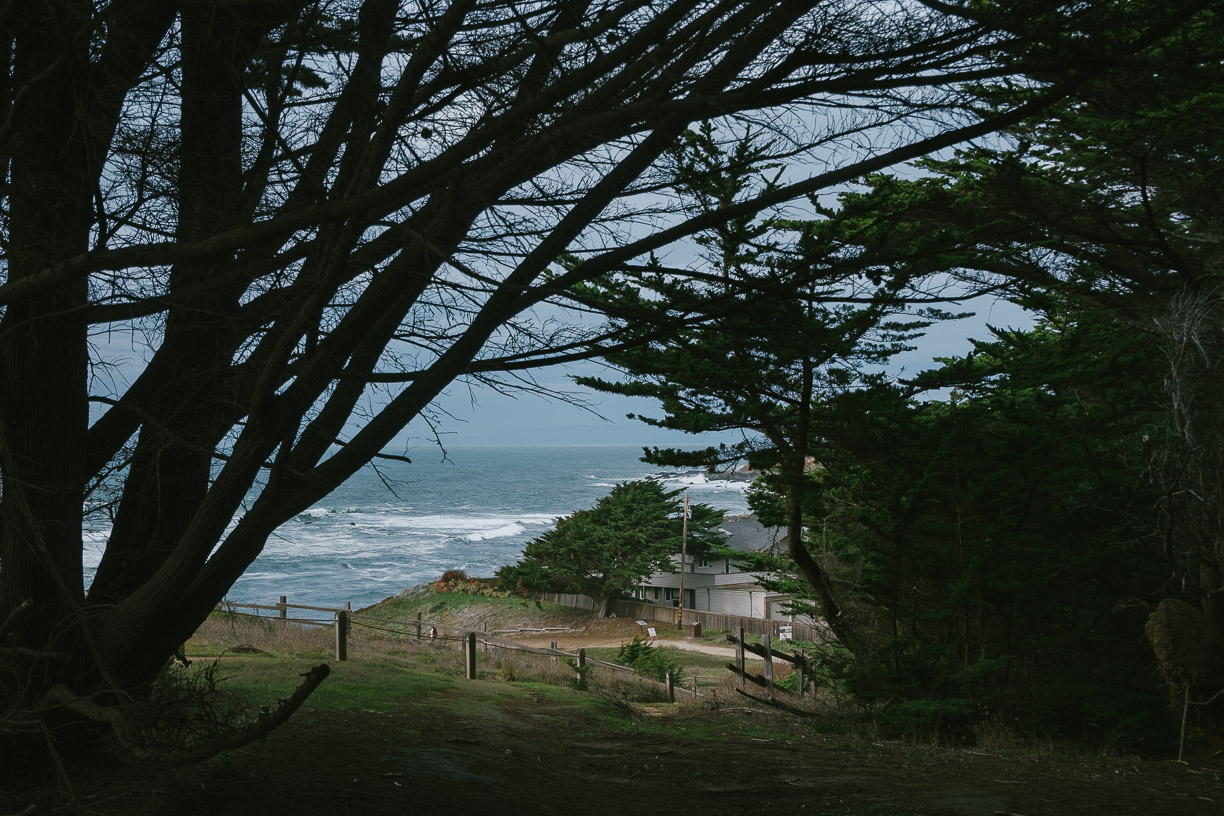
(643, 610)
(344, 620)
(768, 653)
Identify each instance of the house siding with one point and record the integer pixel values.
(722, 602)
(719, 589)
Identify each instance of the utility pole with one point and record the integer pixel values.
(683, 552)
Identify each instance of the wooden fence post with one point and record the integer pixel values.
(418, 625)
(739, 659)
(768, 662)
(553, 646)
(671, 688)
(581, 665)
(800, 682)
(469, 642)
(283, 610)
(341, 635)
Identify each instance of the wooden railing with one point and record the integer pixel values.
(644, 610)
(344, 620)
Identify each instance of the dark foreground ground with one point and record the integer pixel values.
(523, 751)
(397, 730)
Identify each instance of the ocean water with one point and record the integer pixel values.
(473, 510)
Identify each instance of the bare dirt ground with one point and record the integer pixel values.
(570, 641)
(576, 629)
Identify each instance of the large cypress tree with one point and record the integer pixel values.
(607, 550)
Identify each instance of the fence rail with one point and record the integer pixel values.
(343, 620)
(644, 610)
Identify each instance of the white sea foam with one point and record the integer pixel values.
(265, 575)
(475, 513)
(496, 532)
(702, 481)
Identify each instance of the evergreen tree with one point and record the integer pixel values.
(1109, 204)
(607, 550)
(1001, 530)
(772, 323)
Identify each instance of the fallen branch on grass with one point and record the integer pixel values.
(260, 727)
(119, 719)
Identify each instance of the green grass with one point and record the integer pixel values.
(366, 685)
(263, 658)
(389, 687)
(405, 607)
(708, 669)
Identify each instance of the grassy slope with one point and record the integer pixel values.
(399, 714)
(260, 661)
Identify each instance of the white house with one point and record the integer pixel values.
(717, 585)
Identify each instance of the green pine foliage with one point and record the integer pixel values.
(996, 538)
(1017, 534)
(648, 660)
(607, 550)
(987, 538)
(785, 323)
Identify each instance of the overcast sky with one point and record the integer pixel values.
(485, 417)
(496, 419)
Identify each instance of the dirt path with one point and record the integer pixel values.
(573, 641)
(585, 632)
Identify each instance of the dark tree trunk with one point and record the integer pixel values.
(43, 348)
(795, 465)
(191, 404)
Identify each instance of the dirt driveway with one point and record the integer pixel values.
(571, 642)
(611, 633)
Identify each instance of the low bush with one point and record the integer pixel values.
(648, 660)
(456, 582)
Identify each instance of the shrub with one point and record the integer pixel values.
(929, 719)
(186, 707)
(648, 660)
(456, 582)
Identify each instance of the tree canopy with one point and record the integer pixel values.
(1068, 479)
(309, 217)
(785, 324)
(1103, 216)
(607, 550)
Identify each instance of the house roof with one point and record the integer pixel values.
(746, 534)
